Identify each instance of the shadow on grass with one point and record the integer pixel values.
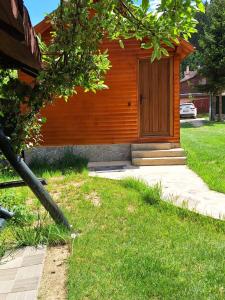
(205, 124)
(186, 125)
(67, 164)
(213, 123)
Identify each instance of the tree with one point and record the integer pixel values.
(212, 47)
(73, 58)
(194, 60)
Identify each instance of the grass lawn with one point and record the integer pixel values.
(205, 147)
(131, 244)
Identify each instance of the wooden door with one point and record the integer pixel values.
(155, 97)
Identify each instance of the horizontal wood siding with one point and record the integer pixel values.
(176, 97)
(110, 116)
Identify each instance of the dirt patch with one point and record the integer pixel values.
(94, 199)
(56, 195)
(76, 184)
(131, 209)
(56, 179)
(64, 186)
(53, 282)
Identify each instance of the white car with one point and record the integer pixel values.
(188, 110)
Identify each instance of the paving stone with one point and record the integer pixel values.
(8, 274)
(32, 260)
(29, 272)
(20, 274)
(12, 260)
(27, 284)
(30, 295)
(11, 263)
(6, 286)
(34, 251)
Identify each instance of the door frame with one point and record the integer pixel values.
(171, 96)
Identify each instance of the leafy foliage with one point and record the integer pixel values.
(17, 114)
(73, 57)
(209, 57)
(194, 60)
(212, 46)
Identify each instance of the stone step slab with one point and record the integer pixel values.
(151, 146)
(176, 152)
(159, 161)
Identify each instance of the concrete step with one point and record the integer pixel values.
(176, 152)
(151, 146)
(159, 161)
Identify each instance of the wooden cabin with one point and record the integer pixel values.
(138, 112)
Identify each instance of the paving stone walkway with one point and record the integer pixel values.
(179, 184)
(20, 274)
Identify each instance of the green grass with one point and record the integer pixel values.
(132, 245)
(31, 225)
(205, 147)
(205, 116)
(130, 249)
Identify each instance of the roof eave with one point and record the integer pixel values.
(186, 49)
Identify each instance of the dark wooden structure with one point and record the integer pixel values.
(18, 47)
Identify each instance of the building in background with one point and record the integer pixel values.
(189, 91)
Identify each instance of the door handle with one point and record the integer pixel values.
(141, 99)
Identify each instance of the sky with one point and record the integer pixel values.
(39, 8)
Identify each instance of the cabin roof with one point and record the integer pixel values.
(19, 46)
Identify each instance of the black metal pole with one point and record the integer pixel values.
(30, 179)
(17, 183)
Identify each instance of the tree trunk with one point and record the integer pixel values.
(220, 117)
(30, 179)
(212, 107)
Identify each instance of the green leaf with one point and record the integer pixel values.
(145, 5)
(43, 120)
(201, 7)
(146, 45)
(154, 55)
(176, 41)
(164, 52)
(121, 44)
(168, 42)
